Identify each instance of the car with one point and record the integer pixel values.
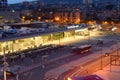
(106, 54)
(9, 72)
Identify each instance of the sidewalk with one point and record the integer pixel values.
(107, 75)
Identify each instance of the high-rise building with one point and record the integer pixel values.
(3, 5)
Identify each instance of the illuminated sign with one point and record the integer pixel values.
(57, 34)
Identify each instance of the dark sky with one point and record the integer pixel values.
(16, 1)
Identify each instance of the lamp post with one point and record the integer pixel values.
(116, 39)
(4, 63)
(23, 19)
(117, 46)
(59, 39)
(89, 36)
(17, 77)
(100, 43)
(57, 19)
(101, 58)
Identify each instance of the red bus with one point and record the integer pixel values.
(82, 49)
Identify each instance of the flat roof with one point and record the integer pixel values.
(23, 36)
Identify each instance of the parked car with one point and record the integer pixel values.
(9, 72)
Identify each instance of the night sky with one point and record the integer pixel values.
(16, 1)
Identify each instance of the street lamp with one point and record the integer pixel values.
(17, 77)
(117, 46)
(100, 43)
(59, 39)
(89, 36)
(57, 19)
(113, 29)
(39, 18)
(23, 19)
(101, 57)
(4, 63)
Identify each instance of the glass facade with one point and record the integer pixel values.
(69, 33)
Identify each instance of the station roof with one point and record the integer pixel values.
(46, 32)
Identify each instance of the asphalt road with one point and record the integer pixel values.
(89, 68)
(57, 58)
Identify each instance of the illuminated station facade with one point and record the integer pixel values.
(27, 41)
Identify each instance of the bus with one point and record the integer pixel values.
(82, 49)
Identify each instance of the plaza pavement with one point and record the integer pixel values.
(107, 74)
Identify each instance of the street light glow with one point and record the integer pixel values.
(69, 78)
(39, 18)
(57, 18)
(23, 17)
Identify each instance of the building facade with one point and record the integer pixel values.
(3, 5)
(68, 16)
(58, 15)
(9, 17)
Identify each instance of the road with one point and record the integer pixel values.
(89, 68)
(58, 58)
